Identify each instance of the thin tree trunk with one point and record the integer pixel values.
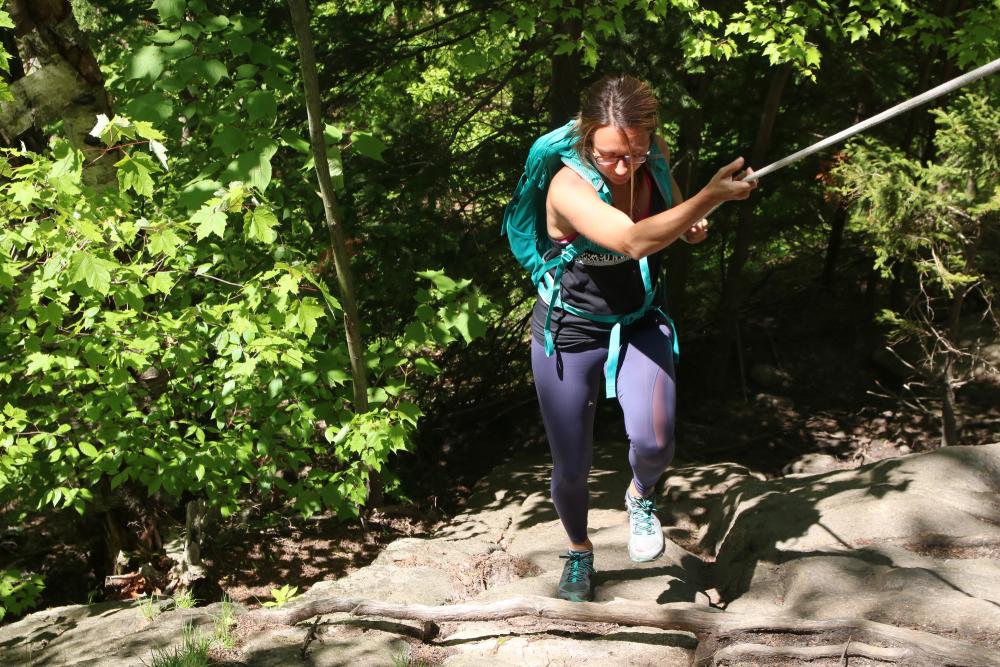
(919, 117)
(65, 84)
(947, 72)
(834, 242)
(949, 417)
(949, 410)
(334, 224)
(678, 263)
(564, 88)
(731, 293)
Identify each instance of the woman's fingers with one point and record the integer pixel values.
(730, 169)
(697, 232)
(728, 185)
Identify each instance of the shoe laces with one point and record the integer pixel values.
(642, 515)
(575, 560)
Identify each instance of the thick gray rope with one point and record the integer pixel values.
(943, 89)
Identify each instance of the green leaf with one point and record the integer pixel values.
(475, 61)
(441, 281)
(262, 224)
(209, 221)
(213, 71)
(161, 281)
(165, 36)
(145, 130)
(252, 167)
(153, 454)
(214, 23)
(192, 29)
(308, 313)
(164, 241)
(230, 139)
(368, 145)
(332, 133)
(153, 106)
(67, 170)
(196, 193)
(22, 192)
(182, 48)
(88, 449)
(94, 271)
(239, 44)
(246, 71)
(411, 413)
(245, 25)
(146, 63)
(169, 10)
(5, 20)
(294, 141)
(426, 366)
(133, 174)
(262, 106)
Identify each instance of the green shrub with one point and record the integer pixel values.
(19, 592)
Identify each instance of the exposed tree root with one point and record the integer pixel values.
(712, 628)
(739, 654)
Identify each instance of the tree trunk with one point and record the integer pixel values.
(949, 417)
(63, 81)
(334, 224)
(189, 568)
(951, 10)
(564, 88)
(728, 312)
(834, 242)
(836, 238)
(678, 263)
(919, 117)
(949, 411)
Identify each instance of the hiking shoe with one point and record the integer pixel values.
(645, 540)
(576, 583)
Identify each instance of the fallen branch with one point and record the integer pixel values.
(709, 626)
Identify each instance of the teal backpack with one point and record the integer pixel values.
(524, 223)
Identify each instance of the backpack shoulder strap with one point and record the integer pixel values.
(660, 169)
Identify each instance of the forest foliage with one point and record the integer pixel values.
(175, 333)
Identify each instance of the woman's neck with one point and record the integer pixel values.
(628, 196)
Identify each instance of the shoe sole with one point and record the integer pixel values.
(645, 559)
(575, 598)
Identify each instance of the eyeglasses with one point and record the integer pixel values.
(609, 161)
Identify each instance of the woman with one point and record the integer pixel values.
(615, 130)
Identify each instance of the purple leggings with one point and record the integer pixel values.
(568, 385)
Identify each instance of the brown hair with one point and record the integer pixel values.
(622, 102)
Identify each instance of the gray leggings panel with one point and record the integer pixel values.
(568, 385)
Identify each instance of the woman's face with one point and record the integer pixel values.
(611, 143)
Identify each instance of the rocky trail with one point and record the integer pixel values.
(893, 562)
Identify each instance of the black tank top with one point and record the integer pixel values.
(600, 284)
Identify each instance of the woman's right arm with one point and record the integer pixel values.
(575, 203)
